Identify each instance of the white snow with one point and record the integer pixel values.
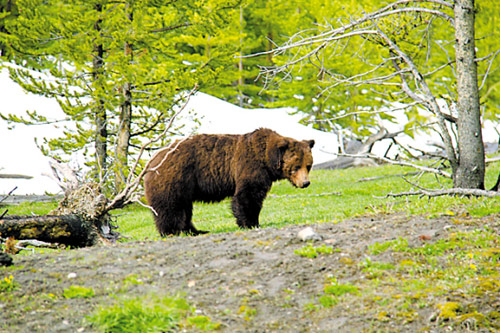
(18, 152)
(218, 116)
(20, 155)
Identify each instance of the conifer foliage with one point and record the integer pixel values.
(117, 68)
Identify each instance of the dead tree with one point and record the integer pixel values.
(79, 220)
(69, 230)
(354, 147)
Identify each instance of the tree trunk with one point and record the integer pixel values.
(471, 166)
(123, 142)
(101, 132)
(125, 119)
(63, 229)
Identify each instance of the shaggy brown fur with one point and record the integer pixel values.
(210, 168)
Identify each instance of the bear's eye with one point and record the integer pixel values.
(309, 168)
(295, 169)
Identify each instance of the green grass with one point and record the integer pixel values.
(149, 314)
(457, 277)
(78, 292)
(288, 205)
(310, 251)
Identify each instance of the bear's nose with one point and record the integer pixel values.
(305, 184)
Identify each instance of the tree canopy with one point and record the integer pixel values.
(421, 54)
(118, 69)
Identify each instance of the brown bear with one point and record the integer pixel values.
(210, 168)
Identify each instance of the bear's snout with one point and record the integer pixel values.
(302, 183)
(300, 178)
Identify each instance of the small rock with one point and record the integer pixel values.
(308, 234)
(71, 275)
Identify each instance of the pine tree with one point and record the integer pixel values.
(117, 69)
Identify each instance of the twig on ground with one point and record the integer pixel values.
(369, 179)
(21, 243)
(492, 159)
(451, 191)
(304, 195)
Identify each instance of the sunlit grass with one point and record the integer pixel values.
(150, 314)
(318, 203)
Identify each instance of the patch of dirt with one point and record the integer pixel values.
(248, 281)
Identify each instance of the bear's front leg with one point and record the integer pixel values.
(247, 203)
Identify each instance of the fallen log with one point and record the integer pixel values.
(16, 199)
(5, 259)
(69, 230)
(14, 176)
(79, 220)
(355, 147)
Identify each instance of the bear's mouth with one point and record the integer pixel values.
(305, 184)
(302, 184)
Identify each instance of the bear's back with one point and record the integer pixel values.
(201, 164)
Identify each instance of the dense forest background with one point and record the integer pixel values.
(119, 68)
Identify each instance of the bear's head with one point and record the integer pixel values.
(294, 160)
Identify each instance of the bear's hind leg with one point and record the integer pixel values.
(174, 219)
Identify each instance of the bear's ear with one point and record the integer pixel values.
(310, 143)
(283, 145)
(276, 152)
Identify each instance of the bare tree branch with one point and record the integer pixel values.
(451, 191)
(340, 33)
(430, 99)
(402, 163)
(8, 194)
(354, 113)
(489, 68)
